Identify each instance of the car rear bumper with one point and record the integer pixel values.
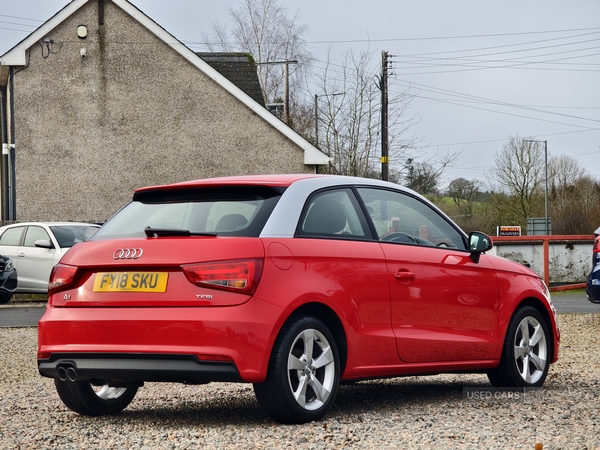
(162, 344)
(135, 368)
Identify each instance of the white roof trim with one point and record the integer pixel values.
(17, 57)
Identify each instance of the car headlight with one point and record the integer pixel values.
(8, 265)
(545, 287)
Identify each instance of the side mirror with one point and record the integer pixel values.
(43, 243)
(479, 243)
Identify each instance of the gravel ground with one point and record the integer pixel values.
(414, 412)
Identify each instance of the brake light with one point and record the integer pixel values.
(236, 276)
(596, 248)
(62, 277)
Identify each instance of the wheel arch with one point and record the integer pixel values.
(326, 315)
(540, 307)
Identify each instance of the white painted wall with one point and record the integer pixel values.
(569, 262)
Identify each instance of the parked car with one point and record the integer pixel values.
(8, 279)
(592, 288)
(290, 282)
(36, 247)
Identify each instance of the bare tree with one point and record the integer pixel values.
(348, 125)
(349, 118)
(266, 30)
(563, 171)
(519, 172)
(573, 197)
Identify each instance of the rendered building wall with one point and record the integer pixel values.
(132, 113)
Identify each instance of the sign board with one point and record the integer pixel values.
(536, 226)
(508, 231)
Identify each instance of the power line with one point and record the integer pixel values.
(515, 58)
(489, 101)
(450, 37)
(498, 103)
(489, 141)
(13, 29)
(514, 115)
(416, 39)
(497, 46)
(22, 18)
(14, 23)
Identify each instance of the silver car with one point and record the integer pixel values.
(36, 247)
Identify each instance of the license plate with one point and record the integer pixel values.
(131, 282)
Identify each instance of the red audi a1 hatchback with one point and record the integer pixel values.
(293, 283)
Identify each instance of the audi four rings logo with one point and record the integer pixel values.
(128, 253)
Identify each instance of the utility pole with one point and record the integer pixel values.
(545, 179)
(384, 116)
(316, 122)
(286, 84)
(286, 94)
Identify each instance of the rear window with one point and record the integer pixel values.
(230, 211)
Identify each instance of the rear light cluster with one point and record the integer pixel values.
(62, 277)
(240, 276)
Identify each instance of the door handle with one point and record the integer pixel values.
(21, 254)
(404, 276)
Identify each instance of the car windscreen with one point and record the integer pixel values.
(224, 211)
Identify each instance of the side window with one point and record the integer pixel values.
(401, 218)
(35, 234)
(332, 213)
(12, 236)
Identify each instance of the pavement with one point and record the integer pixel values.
(574, 302)
(24, 313)
(21, 314)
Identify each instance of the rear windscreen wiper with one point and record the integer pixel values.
(157, 232)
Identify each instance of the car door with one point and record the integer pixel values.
(336, 257)
(10, 242)
(444, 306)
(35, 263)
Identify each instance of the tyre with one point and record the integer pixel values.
(5, 297)
(303, 374)
(90, 400)
(526, 353)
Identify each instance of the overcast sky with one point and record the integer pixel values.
(481, 71)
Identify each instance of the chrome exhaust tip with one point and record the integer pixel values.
(61, 372)
(71, 374)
